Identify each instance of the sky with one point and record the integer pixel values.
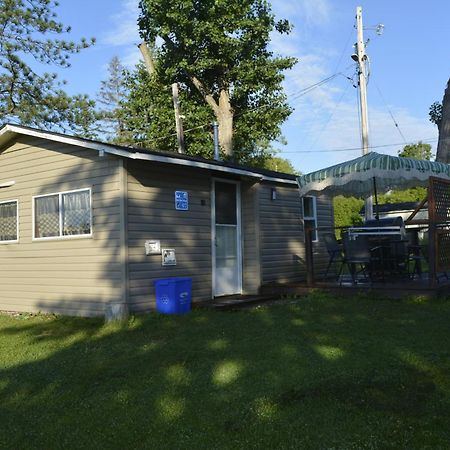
(409, 69)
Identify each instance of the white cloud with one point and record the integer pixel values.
(309, 12)
(124, 34)
(124, 28)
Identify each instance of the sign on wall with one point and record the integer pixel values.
(152, 247)
(168, 257)
(181, 201)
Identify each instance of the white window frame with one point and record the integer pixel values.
(61, 236)
(13, 241)
(310, 218)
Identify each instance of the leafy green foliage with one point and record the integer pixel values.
(417, 151)
(279, 165)
(346, 211)
(415, 194)
(218, 52)
(435, 113)
(26, 35)
(148, 116)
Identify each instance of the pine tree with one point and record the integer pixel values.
(111, 96)
(27, 30)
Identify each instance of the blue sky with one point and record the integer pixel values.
(410, 66)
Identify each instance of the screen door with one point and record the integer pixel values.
(226, 239)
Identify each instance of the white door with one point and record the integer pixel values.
(226, 238)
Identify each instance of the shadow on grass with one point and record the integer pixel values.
(319, 373)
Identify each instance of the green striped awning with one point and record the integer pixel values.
(355, 177)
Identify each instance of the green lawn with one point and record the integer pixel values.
(313, 373)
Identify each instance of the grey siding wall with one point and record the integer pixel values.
(282, 247)
(250, 238)
(282, 236)
(69, 276)
(152, 215)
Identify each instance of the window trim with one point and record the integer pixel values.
(61, 236)
(15, 241)
(313, 217)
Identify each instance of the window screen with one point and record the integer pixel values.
(47, 216)
(63, 214)
(310, 215)
(8, 221)
(225, 197)
(76, 212)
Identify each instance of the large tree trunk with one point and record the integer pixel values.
(224, 114)
(443, 148)
(225, 120)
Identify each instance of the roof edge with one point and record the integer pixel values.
(9, 132)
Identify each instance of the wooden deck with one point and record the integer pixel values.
(233, 302)
(406, 287)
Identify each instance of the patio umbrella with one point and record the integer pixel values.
(369, 174)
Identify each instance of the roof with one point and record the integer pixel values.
(9, 132)
(391, 207)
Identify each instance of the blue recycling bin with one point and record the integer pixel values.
(173, 295)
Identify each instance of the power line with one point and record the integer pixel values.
(357, 148)
(325, 125)
(390, 112)
(294, 96)
(344, 49)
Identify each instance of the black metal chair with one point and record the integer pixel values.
(335, 251)
(417, 255)
(357, 252)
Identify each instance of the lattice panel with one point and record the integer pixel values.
(77, 222)
(443, 250)
(48, 224)
(8, 221)
(8, 228)
(439, 207)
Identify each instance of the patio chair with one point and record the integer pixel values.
(334, 250)
(417, 256)
(357, 252)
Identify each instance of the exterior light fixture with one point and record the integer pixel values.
(273, 194)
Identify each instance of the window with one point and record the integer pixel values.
(63, 215)
(8, 221)
(310, 215)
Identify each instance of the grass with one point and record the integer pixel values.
(312, 373)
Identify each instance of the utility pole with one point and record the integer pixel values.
(148, 57)
(178, 120)
(361, 59)
(150, 66)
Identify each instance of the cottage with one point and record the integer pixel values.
(84, 224)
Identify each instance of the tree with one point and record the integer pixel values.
(435, 113)
(416, 151)
(415, 194)
(346, 212)
(441, 117)
(218, 51)
(279, 165)
(26, 37)
(112, 94)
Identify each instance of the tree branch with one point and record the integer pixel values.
(207, 96)
(209, 99)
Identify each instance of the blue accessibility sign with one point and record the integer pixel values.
(181, 201)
